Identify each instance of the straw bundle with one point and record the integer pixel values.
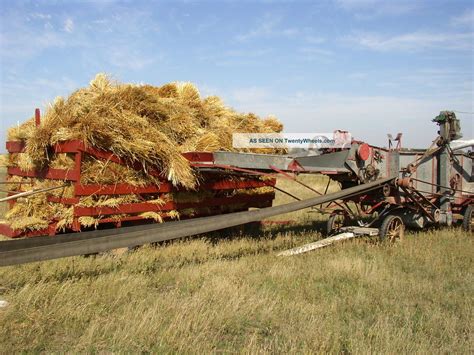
(142, 124)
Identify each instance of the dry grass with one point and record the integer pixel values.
(238, 296)
(235, 295)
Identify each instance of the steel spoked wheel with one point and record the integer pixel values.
(392, 229)
(468, 220)
(335, 222)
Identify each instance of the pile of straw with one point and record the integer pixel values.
(141, 124)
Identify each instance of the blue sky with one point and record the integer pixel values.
(372, 67)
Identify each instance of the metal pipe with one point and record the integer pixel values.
(287, 193)
(461, 144)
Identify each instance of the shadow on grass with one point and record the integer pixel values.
(258, 231)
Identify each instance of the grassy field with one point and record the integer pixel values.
(235, 295)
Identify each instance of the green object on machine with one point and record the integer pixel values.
(450, 127)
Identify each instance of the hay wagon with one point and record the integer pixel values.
(219, 192)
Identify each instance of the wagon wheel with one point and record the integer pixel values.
(336, 222)
(468, 220)
(392, 228)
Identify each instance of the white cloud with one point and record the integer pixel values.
(38, 15)
(269, 27)
(130, 59)
(247, 53)
(22, 44)
(207, 23)
(69, 25)
(356, 4)
(465, 19)
(315, 39)
(368, 9)
(358, 76)
(233, 57)
(19, 97)
(250, 94)
(415, 41)
(314, 51)
(21, 40)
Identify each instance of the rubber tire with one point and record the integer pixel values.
(330, 223)
(466, 221)
(386, 223)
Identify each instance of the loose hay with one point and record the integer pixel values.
(152, 215)
(142, 124)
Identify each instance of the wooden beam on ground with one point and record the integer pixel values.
(319, 244)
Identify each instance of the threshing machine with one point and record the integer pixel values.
(382, 191)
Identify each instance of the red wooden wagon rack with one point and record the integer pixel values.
(222, 184)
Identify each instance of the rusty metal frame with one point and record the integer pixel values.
(409, 195)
